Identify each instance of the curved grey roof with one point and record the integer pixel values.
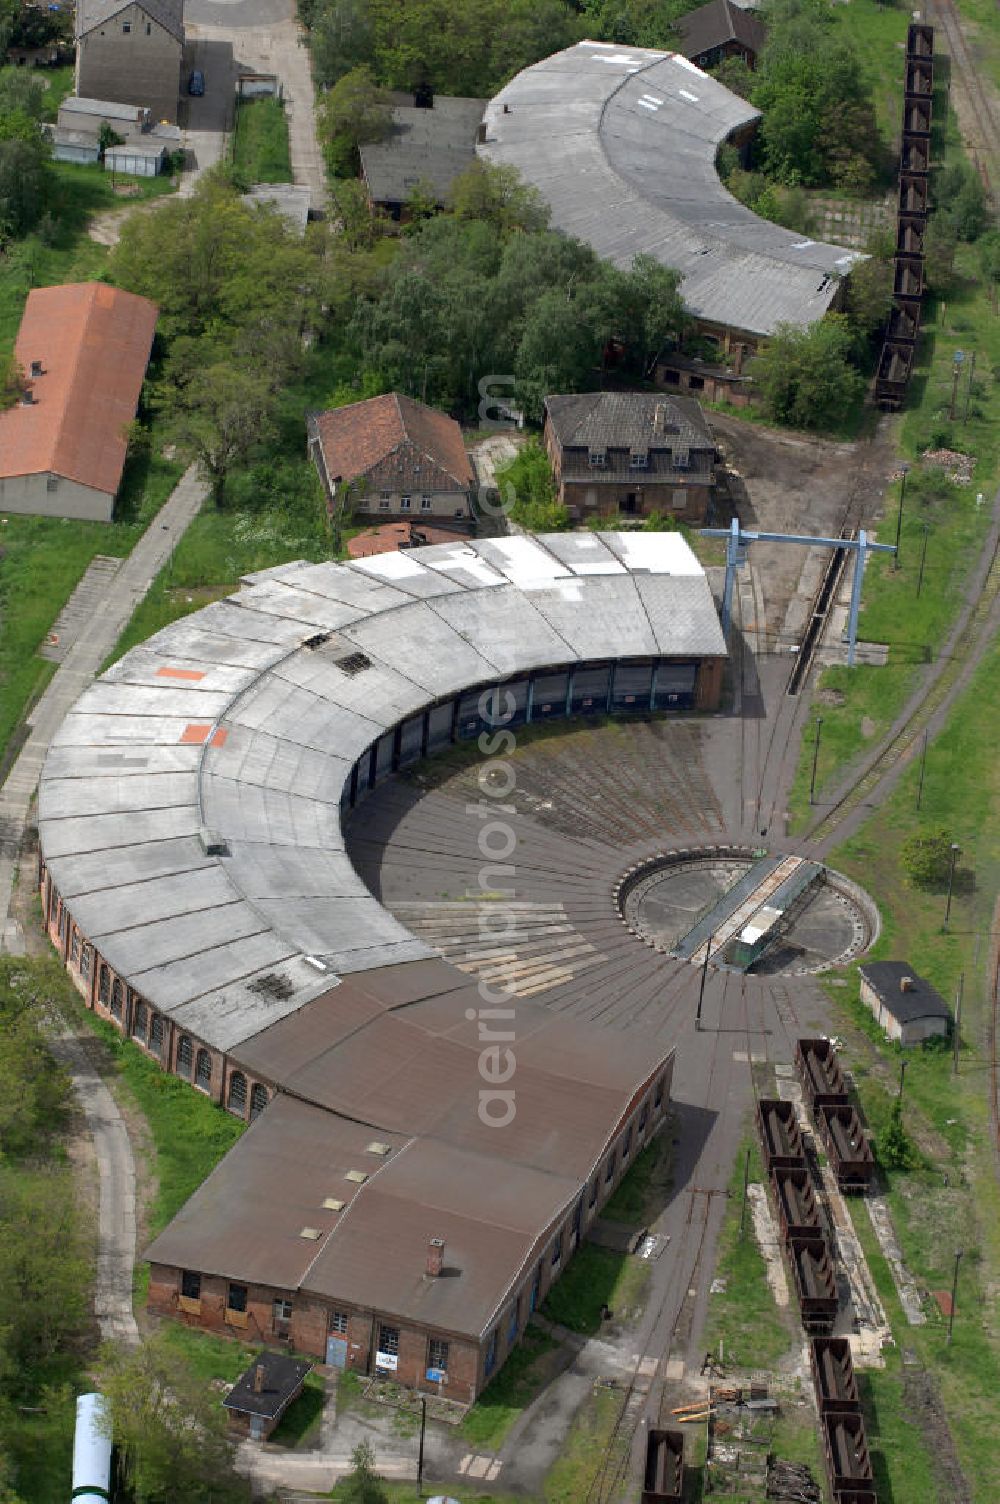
(621, 143)
(190, 805)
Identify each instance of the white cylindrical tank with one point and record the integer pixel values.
(91, 1451)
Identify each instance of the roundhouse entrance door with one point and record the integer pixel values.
(336, 1351)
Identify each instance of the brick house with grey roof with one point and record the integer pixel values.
(392, 458)
(131, 51)
(630, 453)
(719, 30)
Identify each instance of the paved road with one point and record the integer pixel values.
(262, 35)
(82, 663)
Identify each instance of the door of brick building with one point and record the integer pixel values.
(336, 1351)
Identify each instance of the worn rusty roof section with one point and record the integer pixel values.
(92, 343)
(359, 436)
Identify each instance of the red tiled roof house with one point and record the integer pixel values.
(83, 349)
(391, 457)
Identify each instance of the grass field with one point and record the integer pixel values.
(951, 1198)
(260, 142)
(597, 1277)
(527, 1369)
(190, 1133)
(744, 1317)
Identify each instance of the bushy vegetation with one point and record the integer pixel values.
(527, 484)
(925, 857)
(44, 1264)
(260, 143)
(808, 378)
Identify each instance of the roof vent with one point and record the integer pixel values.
(316, 963)
(258, 1379)
(317, 640)
(312, 1233)
(377, 1147)
(332, 1204)
(435, 1257)
(271, 985)
(358, 1177)
(354, 663)
(907, 984)
(212, 844)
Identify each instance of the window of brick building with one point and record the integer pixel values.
(512, 1325)
(437, 1354)
(203, 1071)
(104, 987)
(74, 947)
(140, 1018)
(388, 1340)
(592, 1201)
(556, 1251)
(281, 1310)
(191, 1284)
(404, 503)
(236, 1299)
(643, 1116)
(86, 957)
(609, 1173)
(491, 1352)
(238, 1093)
(536, 1287)
(627, 1142)
(185, 1056)
(126, 27)
(658, 1099)
(156, 1035)
(258, 1100)
(338, 1323)
(425, 503)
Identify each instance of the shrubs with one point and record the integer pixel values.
(925, 857)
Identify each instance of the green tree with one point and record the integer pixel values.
(342, 36)
(496, 195)
(44, 1273)
(353, 113)
(528, 491)
(869, 287)
(940, 245)
(734, 75)
(806, 376)
(989, 255)
(895, 1151)
(925, 857)
(645, 309)
(216, 408)
(169, 1426)
(959, 197)
(362, 1484)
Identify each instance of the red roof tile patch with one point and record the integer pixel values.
(391, 536)
(219, 739)
(179, 673)
(194, 734)
(92, 344)
(357, 437)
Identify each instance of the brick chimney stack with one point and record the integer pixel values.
(906, 984)
(435, 1257)
(258, 1379)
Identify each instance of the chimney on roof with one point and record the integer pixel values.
(660, 419)
(37, 369)
(435, 1257)
(907, 984)
(258, 1379)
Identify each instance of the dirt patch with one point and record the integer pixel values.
(794, 483)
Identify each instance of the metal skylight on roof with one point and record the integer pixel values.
(331, 1204)
(377, 1147)
(358, 1177)
(312, 1233)
(354, 663)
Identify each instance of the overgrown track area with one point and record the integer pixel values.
(956, 661)
(984, 138)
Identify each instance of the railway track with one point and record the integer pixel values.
(986, 148)
(900, 747)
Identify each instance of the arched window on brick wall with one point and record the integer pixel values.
(104, 986)
(74, 947)
(140, 1019)
(118, 998)
(185, 1056)
(156, 1035)
(258, 1100)
(238, 1094)
(203, 1071)
(86, 960)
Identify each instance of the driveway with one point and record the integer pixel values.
(258, 35)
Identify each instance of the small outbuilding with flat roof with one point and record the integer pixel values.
(907, 1007)
(262, 1394)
